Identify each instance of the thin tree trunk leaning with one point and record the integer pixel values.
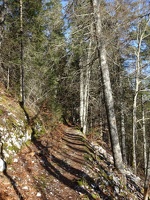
(107, 89)
(147, 179)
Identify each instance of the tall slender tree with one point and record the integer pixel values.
(101, 47)
(139, 67)
(85, 86)
(147, 178)
(22, 89)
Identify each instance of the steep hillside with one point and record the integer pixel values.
(60, 164)
(14, 130)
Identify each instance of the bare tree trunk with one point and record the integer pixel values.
(134, 125)
(87, 83)
(134, 131)
(140, 37)
(81, 94)
(84, 88)
(147, 179)
(21, 58)
(144, 136)
(101, 116)
(107, 89)
(123, 131)
(123, 135)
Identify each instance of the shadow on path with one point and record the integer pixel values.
(13, 183)
(50, 167)
(54, 165)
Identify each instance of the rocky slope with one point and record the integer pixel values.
(14, 126)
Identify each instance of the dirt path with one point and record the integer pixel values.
(62, 166)
(50, 168)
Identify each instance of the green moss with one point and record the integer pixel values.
(1, 112)
(104, 175)
(13, 148)
(5, 146)
(95, 196)
(85, 198)
(82, 182)
(42, 182)
(88, 157)
(28, 142)
(38, 133)
(9, 160)
(12, 123)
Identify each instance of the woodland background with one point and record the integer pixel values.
(87, 62)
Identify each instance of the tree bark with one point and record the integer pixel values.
(140, 37)
(81, 94)
(137, 83)
(21, 57)
(109, 101)
(123, 134)
(147, 179)
(144, 136)
(122, 118)
(2, 20)
(85, 87)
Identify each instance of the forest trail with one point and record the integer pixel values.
(50, 168)
(59, 166)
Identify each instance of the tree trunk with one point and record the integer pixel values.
(2, 20)
(123, 135)
(21, 58)
(81, 94)
(87, 83)
(123, 131)
(147, 179)
(137, 83)
(134, 132)
(107, 89)
(84, 88)
(140, 37)
(144, 137)
(8, 78)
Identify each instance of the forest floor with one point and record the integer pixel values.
(59, 166)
